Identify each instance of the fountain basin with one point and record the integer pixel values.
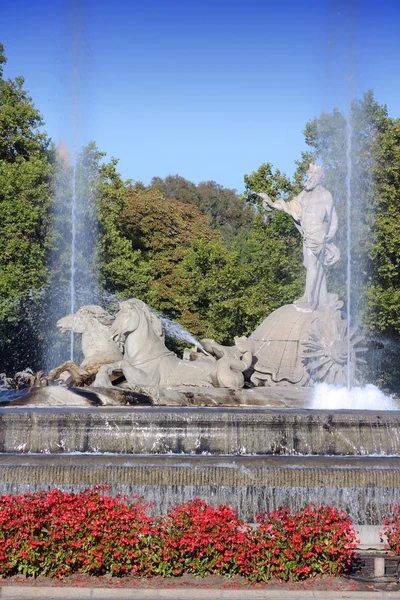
(253, 458)
(191, 431)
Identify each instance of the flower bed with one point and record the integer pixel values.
(392, 531)
(56, 534)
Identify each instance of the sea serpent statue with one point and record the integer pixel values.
(148, 362)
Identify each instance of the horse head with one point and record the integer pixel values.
(135, 316)
(79, 321)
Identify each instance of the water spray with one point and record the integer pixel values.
(176, 330)
(73, 249)
(349, 135)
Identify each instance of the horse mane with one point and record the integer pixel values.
(99, 313)
(149, 314)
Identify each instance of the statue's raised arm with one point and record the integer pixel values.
(266, 201)
(291, 207)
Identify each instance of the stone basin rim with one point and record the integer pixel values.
(195, 409)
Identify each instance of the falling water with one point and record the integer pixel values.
(349, 135)
(73, 251)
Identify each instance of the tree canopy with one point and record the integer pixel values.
(227, 211)
(26, 166)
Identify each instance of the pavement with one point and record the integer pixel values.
(70, 593)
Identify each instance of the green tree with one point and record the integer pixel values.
(212, 291)
(227, 211)
(224, 291)
(123, 271)
(276, 185)
(382, 314)
(161, 230)
(374, 183)
(76, 189)
(175, 187)
(26, 160)
(273, 251)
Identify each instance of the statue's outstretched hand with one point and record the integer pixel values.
(266, 200)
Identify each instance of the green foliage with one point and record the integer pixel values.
(374, 217)
(226, 292)
(80, 180)
(227, 211)
(123, 271)
(302, 166)
(192, 276)
(276, 185)
(273, 252)
(383, 294)
(211, 295)
(273, 259)
(162, 231)
(25, 200)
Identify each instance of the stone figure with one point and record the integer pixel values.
(148, 362)
(299, 347)
(315, 217)
(98, 347)
(309, 341)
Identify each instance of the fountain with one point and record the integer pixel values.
(73, 259)
(251, 425)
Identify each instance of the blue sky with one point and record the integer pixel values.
(204, 89)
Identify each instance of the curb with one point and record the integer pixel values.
(10, 592)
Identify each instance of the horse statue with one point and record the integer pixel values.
(98, 347)
(148, 362)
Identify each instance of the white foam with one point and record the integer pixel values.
(334, 397)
